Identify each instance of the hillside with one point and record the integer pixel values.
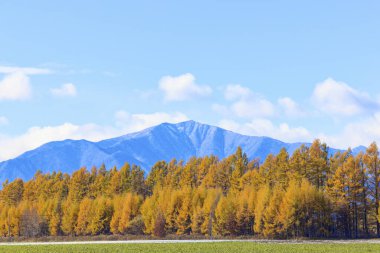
(162, 142)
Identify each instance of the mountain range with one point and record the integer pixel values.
(162, 142)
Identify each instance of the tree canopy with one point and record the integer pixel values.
(304, 194)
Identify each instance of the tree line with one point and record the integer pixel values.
(306, 194)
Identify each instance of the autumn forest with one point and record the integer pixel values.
(305, 194)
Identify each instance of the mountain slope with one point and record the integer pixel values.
(163, 142)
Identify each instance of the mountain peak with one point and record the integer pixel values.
(184, 127)
(191, 124)
(186, 124)
(144, 148)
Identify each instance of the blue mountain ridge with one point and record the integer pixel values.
(162, 142)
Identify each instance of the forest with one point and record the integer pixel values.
(307, 194)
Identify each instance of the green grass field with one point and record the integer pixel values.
(221, 247)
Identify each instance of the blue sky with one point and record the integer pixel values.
(292, 70)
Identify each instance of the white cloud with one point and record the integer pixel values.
(236, 91)
(15, 85)
(12, 146)
(289, 107)
(183, 87)
(136, 122)
(245, 103)
(362, 132)
(338, 98)
(25, 71)
(251, 108)
(265, 127)
(66, 90)
(3, 120)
